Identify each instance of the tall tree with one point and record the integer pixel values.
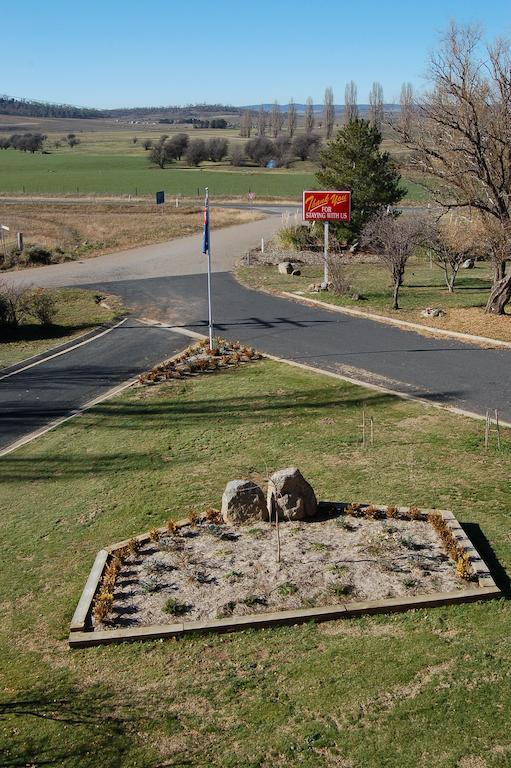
(276, 119)
(353, 160)
(329, 112)
(246, 124)
(291, 118)
(376, 105)
(261, 121)
(350, 102)
(406, 109)
(461, 136)
(309, 115)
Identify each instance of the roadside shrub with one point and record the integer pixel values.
(238, 156)
(298, 237)
(42, 305)
(36, 254)
(13, 305)
(337, 277)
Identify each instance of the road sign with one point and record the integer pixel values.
(5, 227)
(160, 198)
(327, 205)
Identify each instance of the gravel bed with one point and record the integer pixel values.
(211, 571)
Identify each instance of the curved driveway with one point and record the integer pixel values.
(167, 283)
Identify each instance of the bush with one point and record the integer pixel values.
(196, 152)
(238, 156)
(42, 305)
(261, 150)
(305, 145)
(217, 149)
(36, 254)
(13, 305)
(337, 278)
(299, 237)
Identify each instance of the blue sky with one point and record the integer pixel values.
(114, 53)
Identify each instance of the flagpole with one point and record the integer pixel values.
(207, 243)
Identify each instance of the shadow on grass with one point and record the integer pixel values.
(485, 549)
(83, 728)
(38, 332)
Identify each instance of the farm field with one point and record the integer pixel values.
(427, 688)
(423, 287)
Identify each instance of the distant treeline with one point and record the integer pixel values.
(21, 107)
(191, 110)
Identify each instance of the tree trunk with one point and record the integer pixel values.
(499, 271)
(397, 285)
(500, 294)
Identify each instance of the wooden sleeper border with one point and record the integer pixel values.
(83, 635)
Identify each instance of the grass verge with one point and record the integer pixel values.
(429, 688)
(423, 287)
(78, 312)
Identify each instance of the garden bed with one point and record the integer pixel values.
(207, 575)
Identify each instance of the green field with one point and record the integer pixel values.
(428, 689)
(83, 173)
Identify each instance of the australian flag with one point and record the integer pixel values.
(205, 229)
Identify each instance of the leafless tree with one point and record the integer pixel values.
(350, 102)
(406, 109)
(261, 120)
(393, 239)
(276, 119)
(461, 137)
(309, 115)
(246, 124)
(329, 112)
(376, 105)
(448, 248)
(291, 118)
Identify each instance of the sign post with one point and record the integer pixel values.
(4, 228)
(326, 206)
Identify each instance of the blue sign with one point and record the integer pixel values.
(160, 198)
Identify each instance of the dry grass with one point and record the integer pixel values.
(93, 228)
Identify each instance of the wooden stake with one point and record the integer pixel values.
(371, 424)
(497, 427)
(363, 426)
(487, 430)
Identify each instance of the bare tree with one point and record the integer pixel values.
(309, 115)
(329, 112)
(406, 109)
(276, 119)
(449, 249)
(376, 105)
(350, 102)
(246, 124)
(461, 136)
(393, 239)
(291, 118)
(261, 120)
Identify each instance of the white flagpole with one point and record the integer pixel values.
(210, 312)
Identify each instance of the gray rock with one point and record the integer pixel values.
(285, 268)
(296, 273)
(243, 502)
(313, 288)
(290, 495)
(432, 312)
(323, 286)
(468, 264)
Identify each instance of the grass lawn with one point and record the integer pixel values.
(429, 688)
(423, 287)
(129, 172)
(78, 312)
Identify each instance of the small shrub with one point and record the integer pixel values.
(174, 607)
(409, 583)
(154, 534)
(319, 546)
(42, 305)
(36, 254)
(340, 590)
(234, 576)
(286, 589)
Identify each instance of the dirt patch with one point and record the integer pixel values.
(211, 571)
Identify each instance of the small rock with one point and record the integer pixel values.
(290, 495)
(432, 312)
(323, 286)
(468, 264)
(285, 268)
(243, 502)
(296, 273)
(313, 288)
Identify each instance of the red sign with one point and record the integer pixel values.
(327, 205)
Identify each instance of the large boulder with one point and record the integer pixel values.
(243, 502)
(290, 495)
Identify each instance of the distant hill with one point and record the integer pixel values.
(28, 108)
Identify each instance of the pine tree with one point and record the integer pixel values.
(353, 160)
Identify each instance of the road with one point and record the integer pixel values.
(167, 283)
